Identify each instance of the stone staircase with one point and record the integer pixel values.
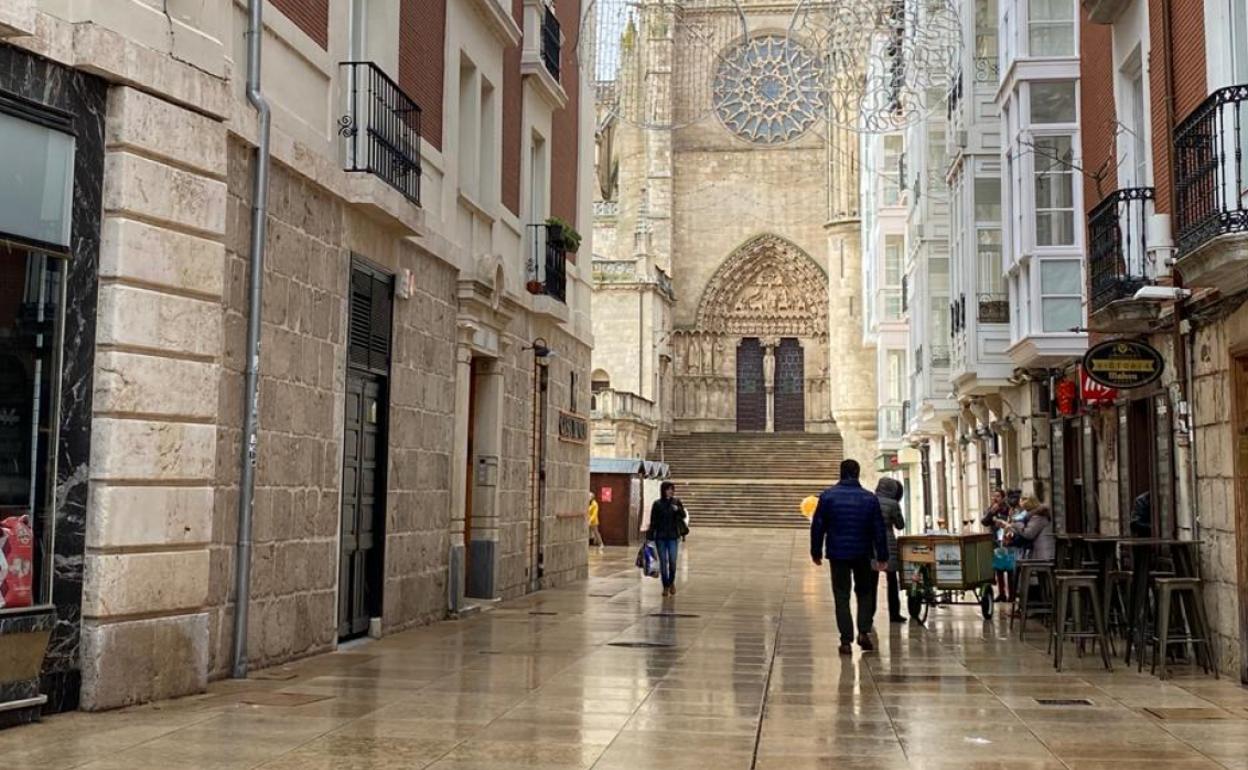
(750, 479)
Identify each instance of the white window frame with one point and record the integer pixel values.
(1029, 192)
(1039, 296)
(1074, 31)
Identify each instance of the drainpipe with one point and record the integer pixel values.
(251, 399)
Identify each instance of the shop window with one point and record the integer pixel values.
(1061, 295)
(32, 289)
(36, 178)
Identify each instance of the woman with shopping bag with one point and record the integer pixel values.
(667, 529)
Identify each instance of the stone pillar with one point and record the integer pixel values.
(487, 441)
(460, 470)
(769, 380)
(852, 380)
(145, 632)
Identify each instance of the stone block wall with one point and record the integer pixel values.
(1215, 508)
(295, 534)
(158, 354)
(422, 413)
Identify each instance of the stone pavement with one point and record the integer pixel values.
(749, 677)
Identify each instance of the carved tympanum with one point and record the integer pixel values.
(767, 287)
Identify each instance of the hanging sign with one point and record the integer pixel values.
(1066, 397)
(1094, 393)
(1123, 364)
(573, 428)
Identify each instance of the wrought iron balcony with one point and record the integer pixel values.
(381, 129)
(987, 70)
(1118, 259)
(992, 309)
(1210, 170)
(551, 42)
(547, 268)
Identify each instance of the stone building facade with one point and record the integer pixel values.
(419, 446)
(726, 246)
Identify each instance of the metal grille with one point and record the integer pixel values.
(548, 266)
(381, 129)
(1210, 169)
(551, 42)
(751, 390)
(1118, 260)
(790, 388)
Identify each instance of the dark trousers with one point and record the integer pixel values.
(894, 595)
(859, 576)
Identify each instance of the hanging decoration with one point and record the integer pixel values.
(885, 64)
(654, 62)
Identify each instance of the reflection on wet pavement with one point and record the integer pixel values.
(740, 670)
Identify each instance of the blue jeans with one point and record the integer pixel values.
(668, 551)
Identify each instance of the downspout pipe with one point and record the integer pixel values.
(251, 398)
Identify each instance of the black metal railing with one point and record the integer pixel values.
(905, 294)
(992, 309)
(551, 42)
(548, 265)
(1209, 169)
(918, 360)
(1118, 259)
(381, 128)
(957, 315)
(955, 97)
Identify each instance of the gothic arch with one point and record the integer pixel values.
(768, 287)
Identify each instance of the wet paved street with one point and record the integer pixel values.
(748, 676)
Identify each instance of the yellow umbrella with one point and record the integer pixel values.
(809, 505)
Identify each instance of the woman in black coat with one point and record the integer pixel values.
(667, 529)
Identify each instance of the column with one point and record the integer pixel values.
(145, 630)
(769, 380)
(460, 468)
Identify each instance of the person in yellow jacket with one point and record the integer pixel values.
(595, 536)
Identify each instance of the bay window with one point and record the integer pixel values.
(1061, 295)
(1053, 101)
(1054, 188)
(1051, 28)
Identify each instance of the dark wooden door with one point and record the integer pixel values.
(790, 388)
(1140, 457)
(751, 389)
(363, 494)
(1072, 474)
(365, 420)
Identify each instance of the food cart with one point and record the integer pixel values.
(934, 566)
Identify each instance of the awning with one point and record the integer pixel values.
(629, 466)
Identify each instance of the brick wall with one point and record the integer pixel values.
(512, 108)
(311, 16)
(1097, 111)
(422, 32)
(565, 153)
(1188, 62)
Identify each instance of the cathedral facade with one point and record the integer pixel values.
(726, 245)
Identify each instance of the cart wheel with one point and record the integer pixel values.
(985, 603)
(918, 607)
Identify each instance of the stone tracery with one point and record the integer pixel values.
(767, 287)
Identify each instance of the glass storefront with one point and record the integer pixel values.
(32, 307)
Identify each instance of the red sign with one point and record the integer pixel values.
(604, 495)
(1066, 397)
(1094, 393)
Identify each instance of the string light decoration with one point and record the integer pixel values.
(885, 64)
(654, 62)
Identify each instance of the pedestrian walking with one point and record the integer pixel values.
(889, 492)
(849, 529)
(667, 530)
(595, 535)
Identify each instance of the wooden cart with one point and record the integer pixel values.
(933, 566)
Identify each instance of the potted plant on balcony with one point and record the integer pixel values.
(563, 234)
(561, 237)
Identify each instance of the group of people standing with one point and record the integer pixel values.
(1023, 527)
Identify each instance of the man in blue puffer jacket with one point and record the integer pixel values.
(849, 528)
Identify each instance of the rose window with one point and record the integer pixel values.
(767, 90)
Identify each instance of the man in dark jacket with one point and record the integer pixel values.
(848, 528)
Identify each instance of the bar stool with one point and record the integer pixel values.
(1075, 585)
(1042, 570)
(1117, 604)
(1195, 631)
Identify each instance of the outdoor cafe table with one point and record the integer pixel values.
(1144, 551)
(1103, 549)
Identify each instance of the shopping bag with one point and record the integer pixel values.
(1003, 559)
(651, 560)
